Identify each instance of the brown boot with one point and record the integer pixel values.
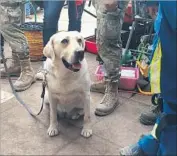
(27, 76)
(109, 101)
(13, 69)
(98, 87)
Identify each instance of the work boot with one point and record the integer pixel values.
(133, 150)
(98, 87)
(13, 69)
(109, 101)
(27, 76)
(149, 117)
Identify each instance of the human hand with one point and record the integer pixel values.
(110, 5)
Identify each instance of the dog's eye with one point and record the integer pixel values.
(79, 40)
(65, 41)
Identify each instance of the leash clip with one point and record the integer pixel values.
(44, 84)
(44, 79)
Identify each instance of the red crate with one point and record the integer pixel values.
(90, 45)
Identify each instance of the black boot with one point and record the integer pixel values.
(150, 117)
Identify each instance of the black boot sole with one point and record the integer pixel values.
(146, 122)
(25, 88)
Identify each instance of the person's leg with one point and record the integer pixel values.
(164, 141)
(14, 66)
(75, 15)
(10, 30)
(168, 137)
(52, 11)
(146, 146)
(149, 117)
(109, 25)
(27, 10)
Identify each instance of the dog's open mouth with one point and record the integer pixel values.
(75, 67)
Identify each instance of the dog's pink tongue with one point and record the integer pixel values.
(77, 66)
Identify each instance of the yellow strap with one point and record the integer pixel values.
(155, 69)
(143, 69)
(143, 92)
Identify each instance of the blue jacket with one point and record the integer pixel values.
(167, 34)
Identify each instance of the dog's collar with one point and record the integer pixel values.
(69, 66)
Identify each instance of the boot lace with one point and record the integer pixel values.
(109, 98)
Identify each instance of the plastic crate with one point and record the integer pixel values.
(99, 73)
(128, 79)
(90, 45)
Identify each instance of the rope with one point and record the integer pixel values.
(17, 96)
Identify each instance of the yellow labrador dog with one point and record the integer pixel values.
(68, 80)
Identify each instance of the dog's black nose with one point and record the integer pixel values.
(79, 55)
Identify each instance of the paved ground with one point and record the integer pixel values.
(21, 134)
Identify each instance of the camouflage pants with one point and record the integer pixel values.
(109, 25)
(10, 20)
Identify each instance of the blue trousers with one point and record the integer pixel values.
(27, 9)
(52, 10)
(166, 145)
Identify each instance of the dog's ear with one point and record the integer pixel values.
(49, 50)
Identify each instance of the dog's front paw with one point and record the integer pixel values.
(86, 132)
(53, 131)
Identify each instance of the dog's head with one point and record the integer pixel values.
(67, 47)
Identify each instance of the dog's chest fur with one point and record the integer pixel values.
(66, 103)
(70, 94)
